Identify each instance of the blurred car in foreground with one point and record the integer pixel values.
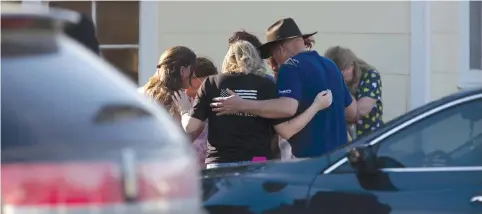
(76, 136)
(428, 161)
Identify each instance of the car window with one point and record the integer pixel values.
(452, 137)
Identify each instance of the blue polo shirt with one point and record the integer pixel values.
(302, 77)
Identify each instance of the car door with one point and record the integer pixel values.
(439, 170)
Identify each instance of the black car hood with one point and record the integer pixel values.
(270, 168)
(267, 176)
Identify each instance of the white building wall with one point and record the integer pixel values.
(149, 50)
(445, 48)
(378, 32)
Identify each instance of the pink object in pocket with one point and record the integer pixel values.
(259, 159)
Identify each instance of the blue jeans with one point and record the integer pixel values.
(216, 165)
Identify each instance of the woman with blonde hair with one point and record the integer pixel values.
(174, 72)
(239, 138)
(365, 85)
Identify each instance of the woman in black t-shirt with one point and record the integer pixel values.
(240, 137)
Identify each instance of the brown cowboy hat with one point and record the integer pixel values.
(281, 30)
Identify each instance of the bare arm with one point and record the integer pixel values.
(196, 134)
(191, 125)
(370, 92)
(274, 108)
(362, 107)
(275, 147)
(351, 111)
(194, 115)
(289, 128)
(365, 106)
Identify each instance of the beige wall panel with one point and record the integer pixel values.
(395, 93)
(390, 53)
(445, 48)
(443, 84)
(444, 16)
(213, 46)
(324, 16)
(445, 53)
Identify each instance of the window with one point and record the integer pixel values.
(117, 25)
(475, 35)
(470, 44)
(452, 137)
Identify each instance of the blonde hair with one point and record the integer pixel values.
(343, 58)
(243, 57)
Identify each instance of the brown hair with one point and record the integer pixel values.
(245, 36)
(205, 67)
(309, 42)
(343, 58)
(167, 79)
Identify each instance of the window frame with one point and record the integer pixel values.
(118, 46)
(93, 16)
(149, 34)
(470, 77)
(406, 124)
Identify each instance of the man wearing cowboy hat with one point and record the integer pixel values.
(302, 75)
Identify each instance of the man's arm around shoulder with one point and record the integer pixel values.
(274, 108)
(289, 92)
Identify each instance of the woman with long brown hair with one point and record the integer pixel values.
(365, 85)
(174, 72)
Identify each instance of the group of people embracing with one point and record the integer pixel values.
(242, 114)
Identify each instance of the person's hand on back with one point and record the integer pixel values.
(323, 100)
(228, 105)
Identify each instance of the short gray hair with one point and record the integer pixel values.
(243, 57)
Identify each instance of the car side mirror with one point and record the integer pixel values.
(363, 159)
